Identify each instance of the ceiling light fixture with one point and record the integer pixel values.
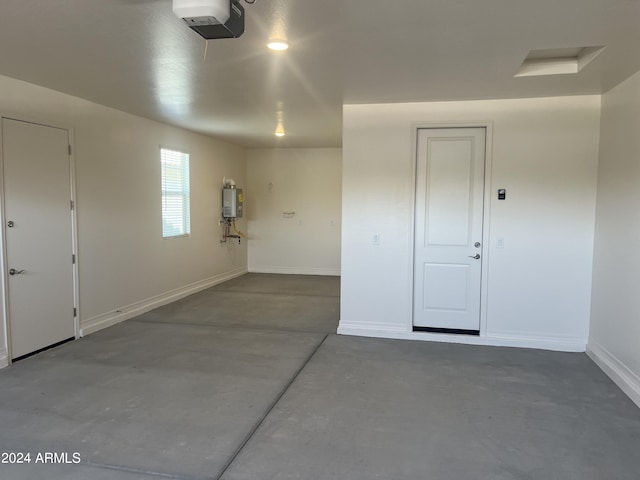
(278, 45)
(280, 131)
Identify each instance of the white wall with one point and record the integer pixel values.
(306, 181)
(545, 154)
(124, 264)
(614, 341)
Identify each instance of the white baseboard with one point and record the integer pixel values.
(114, 317)
(392, 331)
(4, 358)
(623, 376)
(377, 331)
(330, 272)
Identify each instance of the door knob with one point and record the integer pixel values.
(477, 244)
(13, 271)
(476, 256)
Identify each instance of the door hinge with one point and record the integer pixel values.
(75, 312)
(72, 205)
(70, 150)
(73, 258)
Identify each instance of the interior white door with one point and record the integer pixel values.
(448, 228)
(38, 233)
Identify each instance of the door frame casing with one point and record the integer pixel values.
(4, 291)
(486, 217)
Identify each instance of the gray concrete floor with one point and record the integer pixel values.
(260, 301)
(247, 381)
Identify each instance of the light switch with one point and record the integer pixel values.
(499, 242)
(375, 239)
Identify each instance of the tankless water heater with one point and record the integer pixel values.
(232, 202)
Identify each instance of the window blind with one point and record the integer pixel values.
(175, 193)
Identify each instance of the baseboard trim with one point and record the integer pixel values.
(4, 358)
(616, 370)
(108, 319)
(392, 331)
(379, 331)
(329, 272)
(556, 344)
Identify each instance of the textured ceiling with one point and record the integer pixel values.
(135, 55)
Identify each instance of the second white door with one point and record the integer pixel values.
(448, 229)
(38, 233)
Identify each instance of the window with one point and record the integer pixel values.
(175, 193)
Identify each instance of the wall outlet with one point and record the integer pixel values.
(375, 239)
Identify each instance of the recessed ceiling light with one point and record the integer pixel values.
(278, 45)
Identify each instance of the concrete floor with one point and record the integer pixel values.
(247, 381)
(260, 301)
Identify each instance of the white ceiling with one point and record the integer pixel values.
(135, 55)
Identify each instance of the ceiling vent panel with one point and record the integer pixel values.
(558, 61)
